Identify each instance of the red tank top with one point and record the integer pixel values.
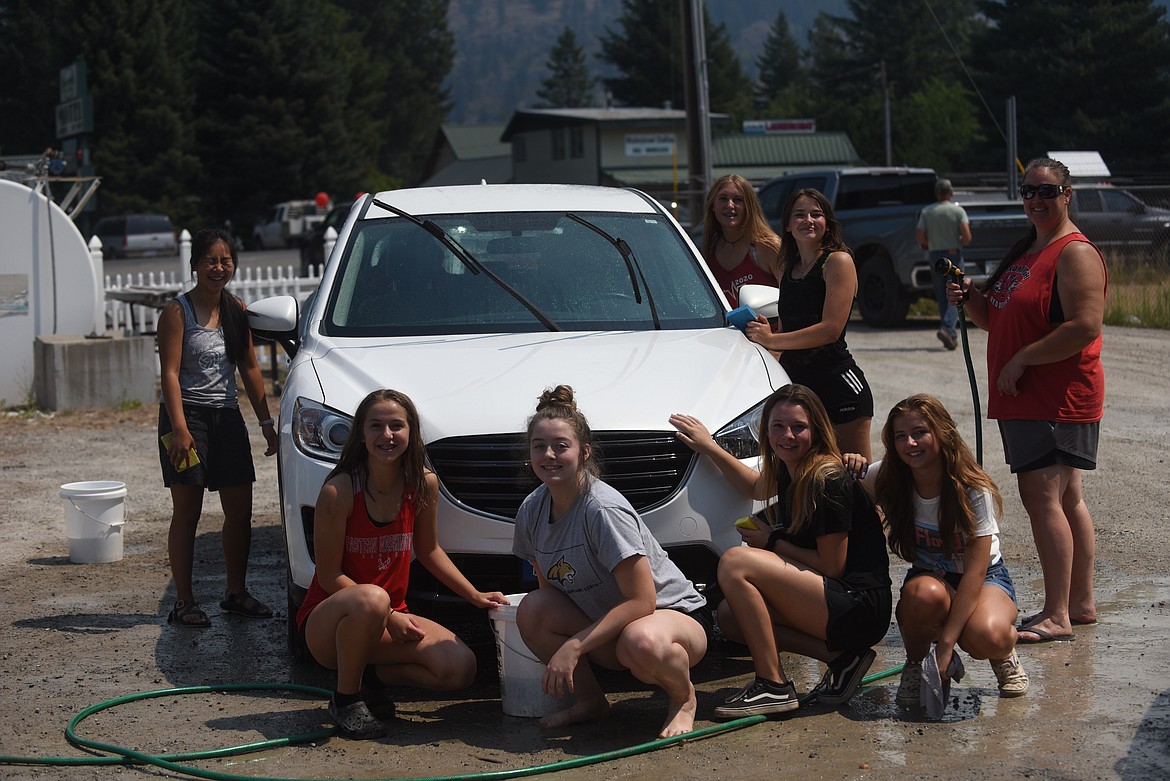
(748, 272)
(1069, 391)
(374, 553)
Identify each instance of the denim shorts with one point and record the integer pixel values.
(997, 575)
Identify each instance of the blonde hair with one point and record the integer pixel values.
(755, 224)
(822, 461)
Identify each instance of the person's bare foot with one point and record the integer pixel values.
(576, 713)
(680, 717)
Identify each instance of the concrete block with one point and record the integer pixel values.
(72, 371)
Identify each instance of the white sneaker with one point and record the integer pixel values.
(1013, 681)
(911, 684)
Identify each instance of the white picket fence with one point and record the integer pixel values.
(133, 302)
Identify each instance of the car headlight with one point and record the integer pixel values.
(741, 437)
(318, 431)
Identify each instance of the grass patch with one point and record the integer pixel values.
(1138, 295)
(1139, 298)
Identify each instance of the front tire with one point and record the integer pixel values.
(296, 646)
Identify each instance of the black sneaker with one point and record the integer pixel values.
(354, 721)
(760, 697)
(844, 676)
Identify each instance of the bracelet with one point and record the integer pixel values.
(267, 422)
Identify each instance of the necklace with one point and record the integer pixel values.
(803, 267)
(375, 489)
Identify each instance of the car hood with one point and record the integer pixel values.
(484, 384)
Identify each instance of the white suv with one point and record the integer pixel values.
(474, 299)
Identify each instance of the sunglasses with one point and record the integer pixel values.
(1045, 191)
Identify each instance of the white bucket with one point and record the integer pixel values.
(520, 669)
(94, 516)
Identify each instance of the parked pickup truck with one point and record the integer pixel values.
(287, 224)
(878, 209)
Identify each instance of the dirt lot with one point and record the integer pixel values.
(76, 635)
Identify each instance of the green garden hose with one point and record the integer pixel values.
(122, 755)
(974, 388)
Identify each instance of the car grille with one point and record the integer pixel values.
(490, 474)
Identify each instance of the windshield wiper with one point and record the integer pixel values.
(631, 264)
(473, 264)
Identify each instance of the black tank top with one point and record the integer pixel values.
(802, 303)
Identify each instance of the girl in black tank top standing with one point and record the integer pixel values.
(817, 288)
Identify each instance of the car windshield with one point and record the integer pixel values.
(396, 279)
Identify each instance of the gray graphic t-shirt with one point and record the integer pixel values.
(577, 554)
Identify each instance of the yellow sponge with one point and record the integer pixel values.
(747, 522)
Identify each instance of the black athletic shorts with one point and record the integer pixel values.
(858, 618)
(1029, 445)
(842, 388)
(221, 440)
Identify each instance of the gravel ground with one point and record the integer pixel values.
(77, 635)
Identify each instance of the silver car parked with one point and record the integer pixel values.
(137, 235)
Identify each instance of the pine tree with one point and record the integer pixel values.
(408, 52)
(779, 63)
(1095, 75)
(31, 54)
(647, 51)
(138, 61)
(273, 121)
(926, 86)
(569, 84)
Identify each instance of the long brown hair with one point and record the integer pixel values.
(560, 403)
(233, 320)
(832, 241)
(755, 225)
(354, 458)
(894, 488)
(822, 461)
(1021, 246)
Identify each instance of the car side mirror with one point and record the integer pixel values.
(763, 299)
(275, 320)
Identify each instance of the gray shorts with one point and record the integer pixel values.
(1029, 445)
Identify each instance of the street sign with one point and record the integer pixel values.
(649, 144)
(75, 117)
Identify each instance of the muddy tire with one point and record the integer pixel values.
(296, 645)
(881, 301)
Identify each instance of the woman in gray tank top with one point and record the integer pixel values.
(203, 339)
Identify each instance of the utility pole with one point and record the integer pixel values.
(1013, 161)
(699, 174)
(886, 114)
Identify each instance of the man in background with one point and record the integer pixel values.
(943, 231)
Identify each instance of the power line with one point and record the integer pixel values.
(963, 65)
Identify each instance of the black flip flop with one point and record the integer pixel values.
(1045, 637)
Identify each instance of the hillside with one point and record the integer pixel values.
(502, 45)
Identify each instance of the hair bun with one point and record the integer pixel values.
(560, 396)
